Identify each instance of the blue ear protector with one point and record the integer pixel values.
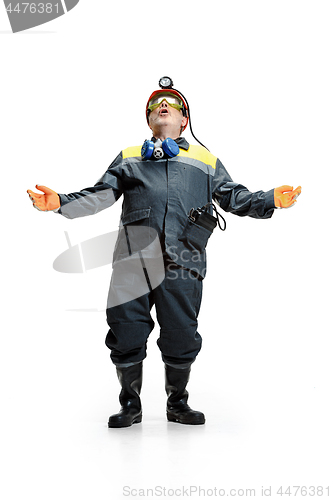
(158, 149)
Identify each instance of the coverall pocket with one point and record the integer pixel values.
(136, 215)
(195, 237)
(134, 234)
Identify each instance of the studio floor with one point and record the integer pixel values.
(261, 433)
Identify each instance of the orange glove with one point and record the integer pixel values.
(285, 196)
(49, 201)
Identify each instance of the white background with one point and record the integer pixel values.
(258, 77)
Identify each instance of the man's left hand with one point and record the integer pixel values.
(285, 196)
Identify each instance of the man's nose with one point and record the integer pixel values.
(164, 104)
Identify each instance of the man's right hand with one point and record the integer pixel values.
(49, 201)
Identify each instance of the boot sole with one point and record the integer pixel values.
(192, 421)
(117, 425)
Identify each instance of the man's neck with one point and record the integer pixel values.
(165, 133)
(162, 137)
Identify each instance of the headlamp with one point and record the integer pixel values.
(165, 82)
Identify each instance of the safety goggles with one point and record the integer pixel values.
(171, 99)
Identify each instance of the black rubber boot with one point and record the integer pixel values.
(178, 410)
(130, 379)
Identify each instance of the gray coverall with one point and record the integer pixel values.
(159, 194)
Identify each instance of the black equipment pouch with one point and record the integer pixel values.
(203, 218)
(199, 227)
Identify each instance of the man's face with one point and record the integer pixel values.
(165, 116)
